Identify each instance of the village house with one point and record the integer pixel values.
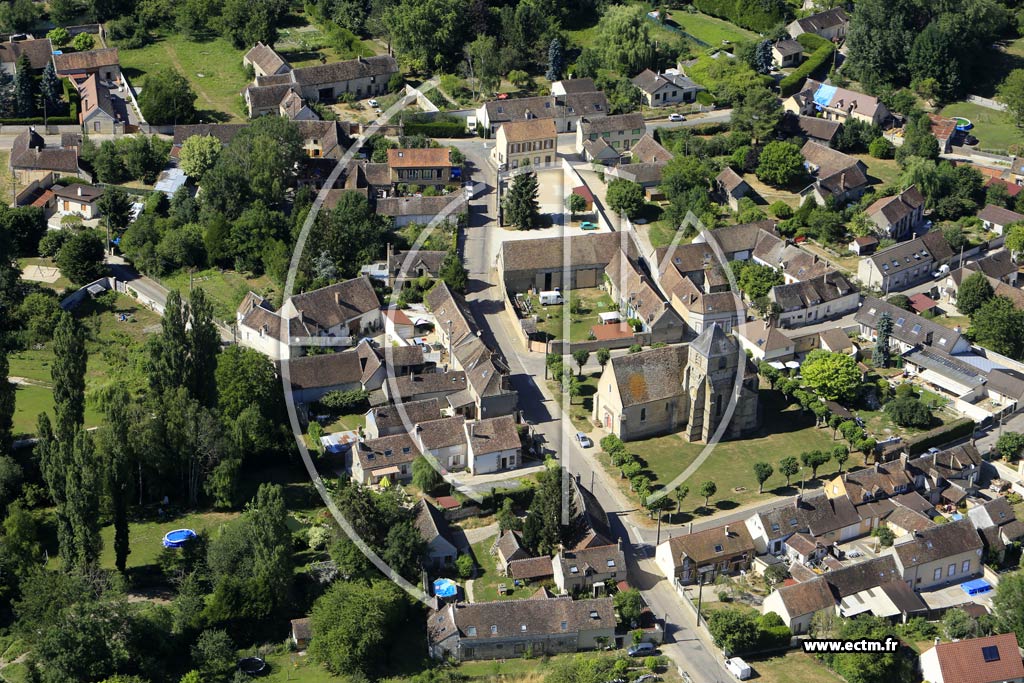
(265, 61)
(998, 526)
(564, 111)
(494, 445)
(586, 570)
(905, 264)
(947, 476)
(78, 200)
(531, 143)
(704, 555)
(998, 268)
(944, 130)
(345, 309)
(836, 175)
(771, 528)
(103, 62)
(908, 329)
(945, 554)
(101, 111)
(862, 246)
(637, 299)
(387, 457)
(444, 440)
(420, 387)
(698, 309)
(427, 166)
(422, 210)
(618, 133)
(814, 300)
(513, 628)
(388, 420)
(831, 24)
(312, 377)
(899, 215)
(996, 218)
(659, 90)
(32, 159)
(439, 551)
(361, 77)
(740, 242)
(991, 659)
(803, 549)
(813, 128)
(765, 342)
(677, 388)
(829, 518)
(732, 187)
(835, 103)
(787, 53)
(405, 266)
(539, 264)
(798, 603)
(508, 548)
(38, 50)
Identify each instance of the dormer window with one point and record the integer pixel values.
(719, 549)
(494, 629)
(471, 631)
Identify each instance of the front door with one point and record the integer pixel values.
(547, 277)
(504, 463)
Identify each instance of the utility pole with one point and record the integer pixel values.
(700, 594)
(657, 542)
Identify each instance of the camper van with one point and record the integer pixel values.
(551, 298)
(738, 668)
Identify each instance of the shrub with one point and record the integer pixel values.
(880, 148)
(464, 565)
(909, 412)
(812, 66)
(757, 15)
(344, 401)
(781, 210)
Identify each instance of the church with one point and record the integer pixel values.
(684, 388)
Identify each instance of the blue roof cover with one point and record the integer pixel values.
(975, 586)
(824, 95)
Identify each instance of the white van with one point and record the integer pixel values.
(551, 298)
(738, 668)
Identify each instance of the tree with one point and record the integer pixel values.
(116, 208)
(834, 376)
(424, 32)
(24, 88)
(120, 456)
(762, 472)
(59, 36)
(880, 148)
(603, 356)
(7, 406)
(203, 342)
(770, 374)
(167, 97)
(522, 209)
(81, 258)
(907, 411)
(762, 61)
(198, 155)
(973, 292)
(63, 12)
(518, 78)
(1009, 445)
(355, 627)
(706, 490)
(901, 301)
(83, 42)
(885, 536)
(214, 656)
(576, 204)
(629, 605)
(484, 60)
(757, 114)
(958, 625)
(1008, 604)
(556, 60)
(733, 630)
(52, 89)
(681, 493)
(840, 454)
(581, 357)
(1011, 93)
(623, 42)
(755, 280)
(814, 460)
(625, 197)
(453, 272)
(780, 163)
(996, 326)
(881, 356)
(424, 476)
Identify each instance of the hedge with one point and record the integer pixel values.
(760, 16)
(70, 94)
(941, 435)
(810, 67)
(436, 129)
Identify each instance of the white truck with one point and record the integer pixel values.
(738, 668)
(551, 298)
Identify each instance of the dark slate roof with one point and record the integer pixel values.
(508, 619)
(493, 435)
(713, 342)
(651, 375)
(337, 303)
(703, 546)
(265, 58)
(807, 597)
(442, 433)
(999, 216)
(997, 265)
(74, 62)
(909, 254)
(937, 543)
(38, 51)
(547, 106)
(29, 151)
(337, 72)
(545, 253)
(78, 192)
(648, 151)
(423, 206)
(405, 387)
(822, 514)
(743, 237)
(862, 576)
(788, 47)
(811, 126)
(386, 451)
(605, 124)
(578, 85)
(325, 370)
(824, 20)
(907, 327)
(598, 559)
(817, 290)
(898, 206)
(268, 96)
(390, 416)
(430, 522)
(531, 568)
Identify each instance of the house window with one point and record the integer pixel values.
(643, 414)
(938, 574)
(966, 568)
(951, 569)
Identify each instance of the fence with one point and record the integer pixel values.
(986, 102)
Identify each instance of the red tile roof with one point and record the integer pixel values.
(613, 331)
(921, 303)
(964, 661)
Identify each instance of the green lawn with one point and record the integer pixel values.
(146, 537)
(346, 423)
(885, 171)
(584, 35)
(116, 354)
(793, 666)
(785, 431)
(582, 406)
(213, 68)
(485, 586)
(592, 302)
(661, 233)
(711, 30)
(226, 288)
(994, 129)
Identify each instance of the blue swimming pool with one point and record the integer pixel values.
(178, 538)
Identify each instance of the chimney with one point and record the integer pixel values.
(337, 297)
(472, 429)
(877, 466)
(79, 190)
(689, 529)
(727, 531)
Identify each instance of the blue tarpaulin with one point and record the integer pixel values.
(975, 587)
(824, 95)
(445, 588)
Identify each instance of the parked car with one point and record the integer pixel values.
(587, 225)
(933, 450)
(374, 103)
(641, 650)
(646, 678)
(584, 440)
(676, 117)
(640, 221)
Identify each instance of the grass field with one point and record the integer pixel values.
(485, 586)
(793, 666)
(592, 302)
(583, 405)
(226, 288)
(785, 431)
(711, 30)
(585, 35)
(213, 68)
(886, 171)
(146, 537)
(994, 129)
(115, 355)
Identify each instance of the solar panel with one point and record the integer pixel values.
(990, 653)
